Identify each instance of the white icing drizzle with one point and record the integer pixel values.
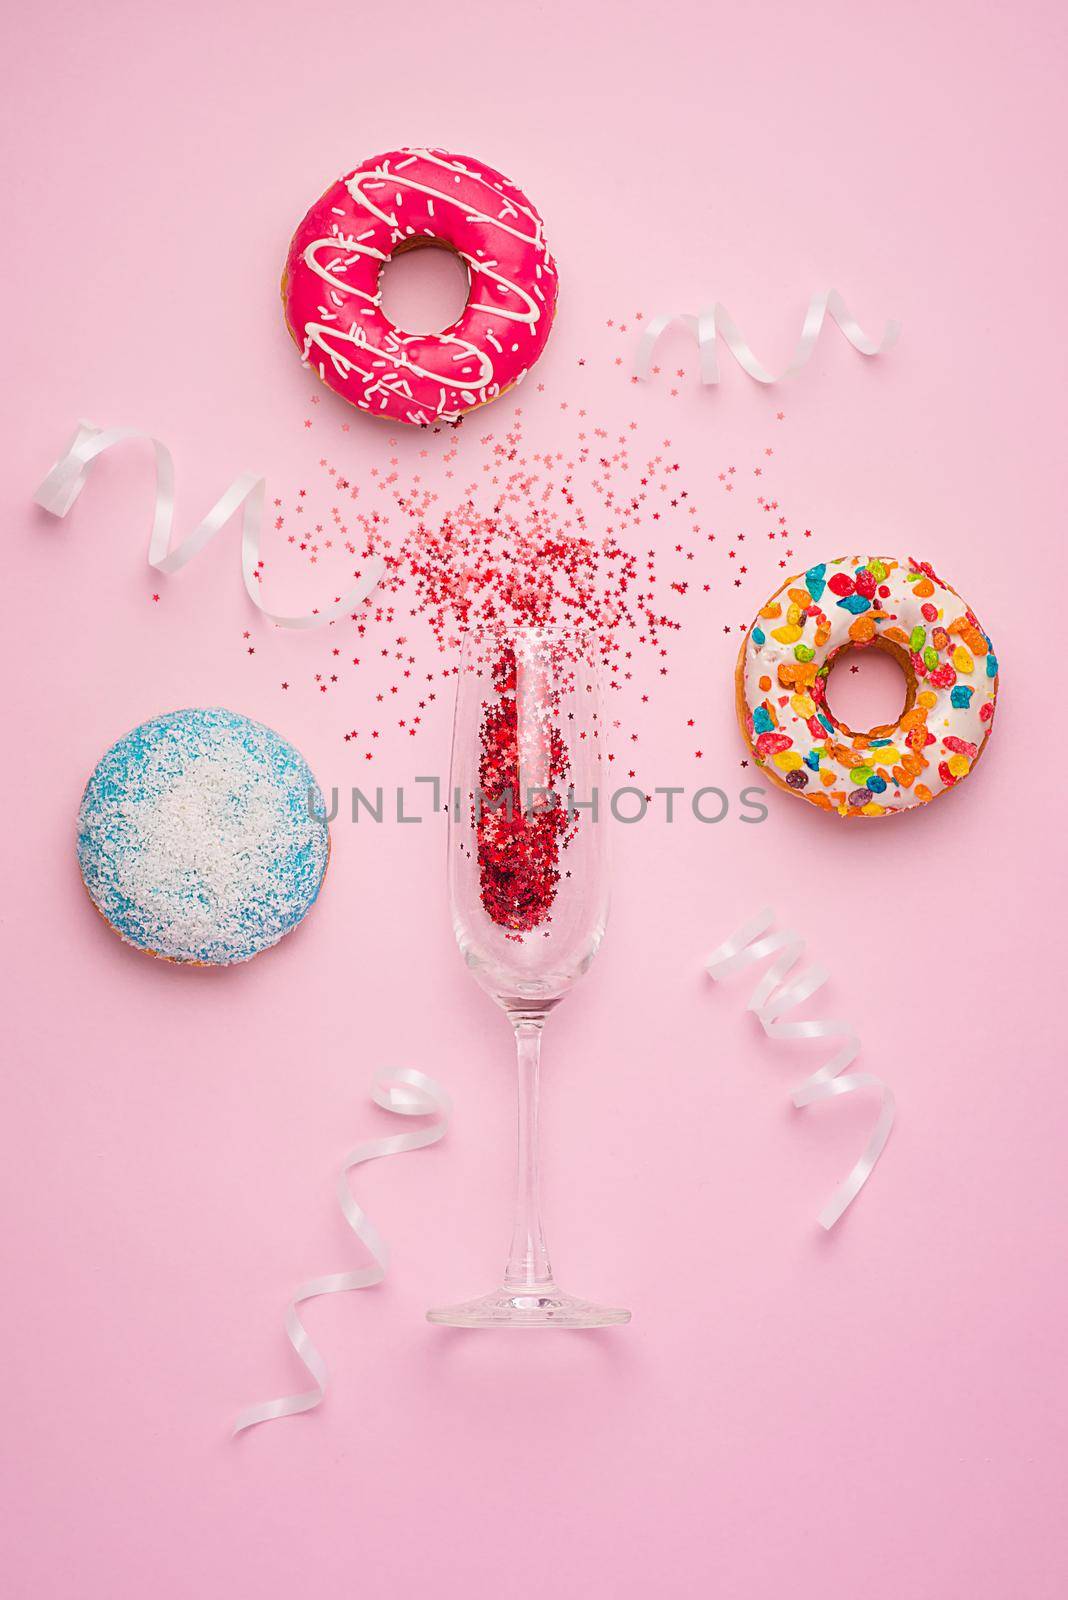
(353, 249)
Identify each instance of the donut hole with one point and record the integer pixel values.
(870, 688)
(424, 286)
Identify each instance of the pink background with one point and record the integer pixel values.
(879, 1412)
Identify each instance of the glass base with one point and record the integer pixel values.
(543, 1307)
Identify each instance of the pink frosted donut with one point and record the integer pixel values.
(332, 299)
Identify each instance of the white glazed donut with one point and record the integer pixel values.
(857, 602)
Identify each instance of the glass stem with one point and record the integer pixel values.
(528, 1259)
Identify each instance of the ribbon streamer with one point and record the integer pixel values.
(772, 998)
(410, 1094)
(717, 319)
(61, 487)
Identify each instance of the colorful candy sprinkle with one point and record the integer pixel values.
(787, 760)
(770, 744)
(815, 581)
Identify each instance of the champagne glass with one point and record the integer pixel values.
(528, 886)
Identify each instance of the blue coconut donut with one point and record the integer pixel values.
(196, 838)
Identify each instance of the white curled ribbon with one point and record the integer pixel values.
(717, 320)
(410, 1094)
(62, 485)
(772, 998)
